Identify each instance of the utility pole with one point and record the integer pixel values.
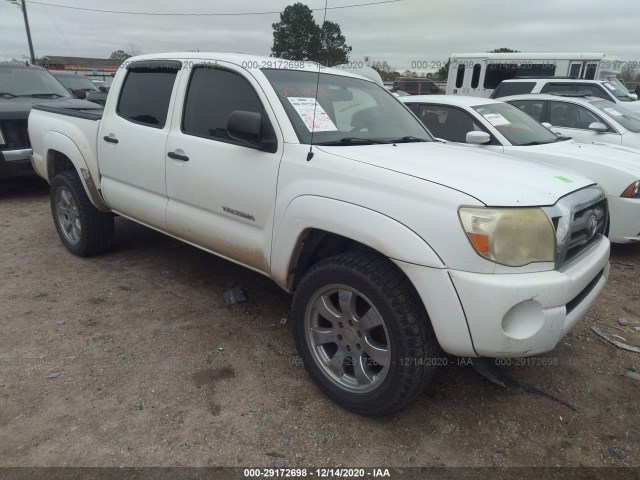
(23, 6)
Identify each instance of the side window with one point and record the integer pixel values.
(533, 108)
(512, 88)
(211, 97)
(460, 75)
(586, 118)
(498, 72)
(475, 78)
(557, 88)
(448, 123)
(590, 74)
(414, 107)
(146, 93)
(569, 115)
(595, 90)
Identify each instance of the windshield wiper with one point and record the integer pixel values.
(41, 95)
(408, 139)
(353, 141)
(535, 142)
(7, 94)
(562, 138)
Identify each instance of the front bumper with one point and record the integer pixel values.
(509, 315)
(16, 163)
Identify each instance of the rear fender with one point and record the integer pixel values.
(59, 143)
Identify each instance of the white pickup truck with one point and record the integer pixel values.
(394, 245)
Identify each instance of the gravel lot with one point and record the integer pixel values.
(134, 358)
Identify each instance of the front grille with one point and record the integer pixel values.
(15, 134)
(580, 220)
(584, 230)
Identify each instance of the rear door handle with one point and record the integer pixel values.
(110, 139)
(177, 156)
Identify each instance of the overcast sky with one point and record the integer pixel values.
(398, 33)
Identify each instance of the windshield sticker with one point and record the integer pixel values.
(306, 107)
(612, 112)
(609, 86)
(564, 179)
(496, 119)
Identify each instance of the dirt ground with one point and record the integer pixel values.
(133, 358)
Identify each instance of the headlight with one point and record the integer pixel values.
(632, 191)
(510, 236)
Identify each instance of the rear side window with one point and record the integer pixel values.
(475, 78)
(212, 95)
(594, 90)
(460, 75)
(557, 88)
(512, 88)
(146, 93)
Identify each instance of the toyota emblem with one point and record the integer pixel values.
(592, 226)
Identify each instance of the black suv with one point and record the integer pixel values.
(21, 87)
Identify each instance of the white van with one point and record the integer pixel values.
(477, 74)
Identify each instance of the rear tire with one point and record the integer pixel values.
(83, 229)
(363, 334)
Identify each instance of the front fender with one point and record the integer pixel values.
(57, 142)
(369, 227)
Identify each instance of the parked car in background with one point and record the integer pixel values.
(611, 90)
(477, 74)
(390, 242)
(81, 87)
(582, 116)
(416, 86)
(21, 87)
(499, 127)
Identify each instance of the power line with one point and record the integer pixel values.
(233, 14)
(56, 25)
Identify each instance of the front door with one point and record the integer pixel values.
(221, 191)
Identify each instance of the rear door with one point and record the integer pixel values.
(221, 191)
(132, 140)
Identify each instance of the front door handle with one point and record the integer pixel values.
(177, 156)
(110, 139)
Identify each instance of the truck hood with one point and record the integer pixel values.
(493, 179)
(602, 154)
(19, 108)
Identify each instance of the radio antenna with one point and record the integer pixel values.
(313, 123)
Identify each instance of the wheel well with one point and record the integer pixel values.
(316, 245)
(57, 162)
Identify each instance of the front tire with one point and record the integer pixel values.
(363, 334)
(83, 229)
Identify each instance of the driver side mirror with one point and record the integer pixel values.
(547, 125)
(598, 127)
(246, 127)
(478, 138)
(79, 93)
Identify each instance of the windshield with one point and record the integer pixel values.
(348, 111)
(29, 82)
(618, 90)
(624, 117)
(516, 126)
(76, 82)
